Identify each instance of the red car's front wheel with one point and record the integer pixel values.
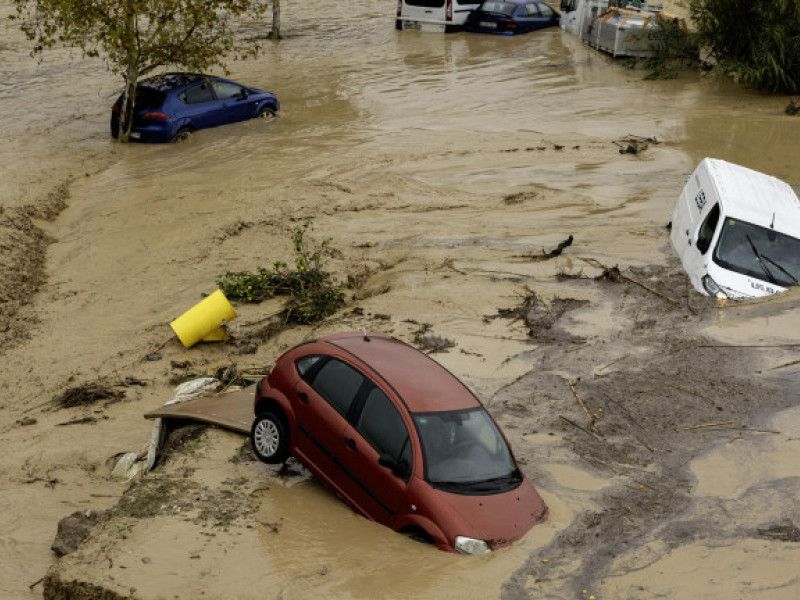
(269, 438)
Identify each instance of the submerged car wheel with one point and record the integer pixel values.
(269, 438)
(265, 112)
(183, 134)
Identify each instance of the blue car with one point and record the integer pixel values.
(509, 17)
(171, 107)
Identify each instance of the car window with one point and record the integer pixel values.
(305, 364)
(498, 7)
(338, 383)
(148, 99)
(225, 90)
(197, 94)
(707, 229)
(546, 11)
(381, 424)
(426, 3)
(532, 10)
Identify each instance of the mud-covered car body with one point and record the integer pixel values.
(170, 106)
(399, 438)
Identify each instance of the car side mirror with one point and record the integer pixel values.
(393, 465)
(243, 95)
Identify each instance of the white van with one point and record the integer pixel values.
(433, 15)
(737, 231)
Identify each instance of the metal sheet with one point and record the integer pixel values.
(231, 410)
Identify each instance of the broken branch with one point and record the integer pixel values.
(583, 406)
(704, 426)
(597, 263)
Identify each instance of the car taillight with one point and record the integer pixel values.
(511, 24)
(449, 13)
(116, 109)
(155, 116)
(399, 7)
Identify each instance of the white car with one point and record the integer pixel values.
(737, 231)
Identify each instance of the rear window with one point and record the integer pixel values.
(504, 8)
(426, 3)
(148, 99)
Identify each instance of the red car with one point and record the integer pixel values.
(399, 438)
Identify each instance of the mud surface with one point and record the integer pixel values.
(444, 169)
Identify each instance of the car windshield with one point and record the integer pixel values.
(758, 252)
(503, 8)
(464, 451)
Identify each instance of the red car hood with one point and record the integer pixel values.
(499, 519)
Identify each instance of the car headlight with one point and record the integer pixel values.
(468, 545)
(713, 288)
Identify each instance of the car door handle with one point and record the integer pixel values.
(350, 443)
(303, 397)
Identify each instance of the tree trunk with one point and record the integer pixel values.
(275, 34)
(131, 79)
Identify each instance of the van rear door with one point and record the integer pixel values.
(423, 15)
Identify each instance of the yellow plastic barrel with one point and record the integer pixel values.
(203, 322)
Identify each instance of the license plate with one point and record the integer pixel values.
(412, 25)
(135, 135)
(488, 24)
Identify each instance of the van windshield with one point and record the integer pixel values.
(758, 252)
(465, 452)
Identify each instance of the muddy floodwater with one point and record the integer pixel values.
(438, 166)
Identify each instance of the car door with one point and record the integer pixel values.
(377, 455)
(534, 18)
(234, 100)
(321, 401)
(200, 106)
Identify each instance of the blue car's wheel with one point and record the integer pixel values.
(183, 134)
(265, 112)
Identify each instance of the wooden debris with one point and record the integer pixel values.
(614, 274)
(583, 406)
(704, 426)
(675, 386)
(583, 429)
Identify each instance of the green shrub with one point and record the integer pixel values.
(312, 294)
(753, 41)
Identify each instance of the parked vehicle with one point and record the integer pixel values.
(509, 17)
(433, 15)
(170, 107)
(397, 437)
(618, 27)
(737, 231)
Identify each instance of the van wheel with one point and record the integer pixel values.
(270, 438)
(183, 134)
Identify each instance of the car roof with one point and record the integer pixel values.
(755, 197)
(171, 81)
(423, 384)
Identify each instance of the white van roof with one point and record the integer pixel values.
(755, 197)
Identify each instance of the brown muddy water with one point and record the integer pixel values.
(433, 161)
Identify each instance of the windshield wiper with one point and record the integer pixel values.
(486, 485)
(761, 262)
(784, 271)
